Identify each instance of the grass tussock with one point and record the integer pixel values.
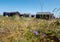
(15, 29)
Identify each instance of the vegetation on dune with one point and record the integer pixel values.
(15, 29)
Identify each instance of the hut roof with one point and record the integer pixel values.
(45, 13)
(12, 12)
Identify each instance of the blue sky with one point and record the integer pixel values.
(29, 6)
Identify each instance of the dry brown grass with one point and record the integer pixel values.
(12, 30)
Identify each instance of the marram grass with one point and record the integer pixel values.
(16, 29)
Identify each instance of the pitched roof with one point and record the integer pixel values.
(12, 12)
(44, 13)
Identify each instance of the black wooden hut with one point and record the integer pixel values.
(32, 15)
(45, 15)
(25, 15)
(11, 14)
